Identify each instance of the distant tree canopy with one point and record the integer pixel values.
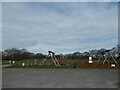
(21, 54)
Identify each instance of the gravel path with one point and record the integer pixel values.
(59, 78)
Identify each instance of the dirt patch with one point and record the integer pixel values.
(97, 65)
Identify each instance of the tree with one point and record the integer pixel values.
(39, 56)
(16, 54)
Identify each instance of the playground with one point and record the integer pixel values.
(106, 60)
(60, 73)
(65, 64)
(53, 72)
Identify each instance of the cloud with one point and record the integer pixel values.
(60, 0)
(0, 26)
(61, 27)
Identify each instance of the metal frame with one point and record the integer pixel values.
(106, 54)
(54, 59)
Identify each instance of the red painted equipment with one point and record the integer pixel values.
(63, 61)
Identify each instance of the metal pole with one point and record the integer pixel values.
(104, 60)
(56, 61)
(113, 58)
(45, 58)
(53, 61)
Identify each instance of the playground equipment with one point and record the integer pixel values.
(90, 60)
(54, 59)
(63, 61)
(106, 54)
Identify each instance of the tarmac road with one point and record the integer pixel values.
(59, 78)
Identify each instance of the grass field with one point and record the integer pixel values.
(37, 63)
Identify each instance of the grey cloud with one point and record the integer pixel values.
(39, 28)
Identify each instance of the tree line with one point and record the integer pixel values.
(22, 54)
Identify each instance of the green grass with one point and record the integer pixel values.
(37, 66)
(31, 63)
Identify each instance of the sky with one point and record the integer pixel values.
(62, 27)
(0, 26)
